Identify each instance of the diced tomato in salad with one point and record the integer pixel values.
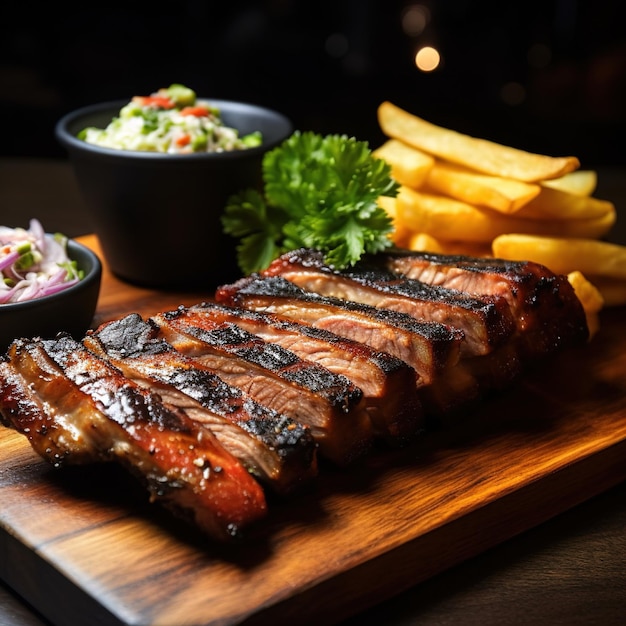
(197, 111)
(162, 102)
(183, 140)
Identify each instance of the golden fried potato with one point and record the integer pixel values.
(423, 242)
(553, 204)
(501, 194)
(580, 182)
(564, 255)
(587, 293)
(409, 166)
(441, 217)
(477, 154)
(451, 220)
(590, 297)
(400, 233)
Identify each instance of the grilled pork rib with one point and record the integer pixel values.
(547, 312)
(197, 400)
(432, 349)
(51, 432)
(387, 382)
(273, 447)
(75, 407)
(486, 321)
(331, 405)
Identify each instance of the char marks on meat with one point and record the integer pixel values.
(548, 315)
(387, 382)
(211, 404)
(329, 404)
(275, 448)
(74, 406)
(432, 349)
(486, 321)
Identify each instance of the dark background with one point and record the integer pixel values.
(544, 75)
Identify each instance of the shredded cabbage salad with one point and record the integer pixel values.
(171, 120)
(34, 264)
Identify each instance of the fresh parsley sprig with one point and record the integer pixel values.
(318, 192)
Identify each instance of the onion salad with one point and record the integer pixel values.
(34, 264)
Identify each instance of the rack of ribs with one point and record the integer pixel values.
(213, 406)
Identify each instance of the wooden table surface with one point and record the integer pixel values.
(569, 570)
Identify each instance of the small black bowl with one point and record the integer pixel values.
(71, 310)
(158, 216)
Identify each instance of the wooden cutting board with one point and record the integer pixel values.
(84, 547)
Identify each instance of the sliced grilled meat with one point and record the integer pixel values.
(276, 449)
(56, 437)
(387, 382)
(547, 312)
(75, 407)
(486, 321)
(432, 349)
(328, 403)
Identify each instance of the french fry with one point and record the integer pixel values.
(409, 166)
(423, 242)
(501, 194)
(564, 255)
(557, 204)
(477, 154)
(587, 293)
(441, 217)
(452, 220)
(400, 233)
(590, 297)
(580, 182)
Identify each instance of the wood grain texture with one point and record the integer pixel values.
(84, 546)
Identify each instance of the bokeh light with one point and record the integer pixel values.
(539, 55)
(513, 93)
(427, 59)
(415, 18)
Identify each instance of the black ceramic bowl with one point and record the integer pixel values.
(71, 310)
(158, 216)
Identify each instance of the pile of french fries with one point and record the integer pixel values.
(464, 195)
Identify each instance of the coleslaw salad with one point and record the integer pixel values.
(34, 264)
(171, 120)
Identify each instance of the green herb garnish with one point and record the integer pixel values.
(319, 192)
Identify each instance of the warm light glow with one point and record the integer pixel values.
(427, 59)
(513, 93)
(415, 19)
(539, 55)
